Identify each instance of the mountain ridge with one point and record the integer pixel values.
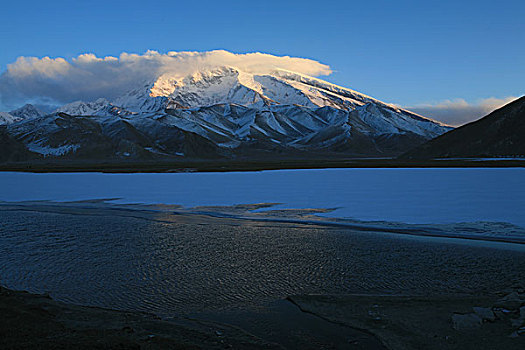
(499, 134)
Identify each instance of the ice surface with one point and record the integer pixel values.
(406, 195)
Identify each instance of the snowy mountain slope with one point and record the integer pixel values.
(27, 111)
(83, 108)
(231, 85)
(99, 137)
(226, 112)
(140, 100)
(8, 118)
(100, 107)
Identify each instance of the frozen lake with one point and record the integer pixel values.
(404, 195)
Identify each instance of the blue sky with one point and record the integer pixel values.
(405, 52)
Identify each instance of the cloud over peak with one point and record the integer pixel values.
(87, 77)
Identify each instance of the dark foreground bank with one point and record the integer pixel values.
(250, 165)
(31, 321)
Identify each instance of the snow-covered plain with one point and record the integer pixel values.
(423, 196)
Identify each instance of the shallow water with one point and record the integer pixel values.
(401, 195)
(174, 264)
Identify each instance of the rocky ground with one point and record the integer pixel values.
(448, 322)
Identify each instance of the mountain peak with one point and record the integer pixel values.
(227, 84)
(83, 108)
(211, 86)
(27, 111)
(166, 84)
(99, 107)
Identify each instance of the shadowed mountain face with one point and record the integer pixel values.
(499, 134)
(12, 149)
(225, 113)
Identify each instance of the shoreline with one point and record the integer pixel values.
(235, 165)
(290, 216)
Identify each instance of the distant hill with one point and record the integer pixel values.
(499, 134)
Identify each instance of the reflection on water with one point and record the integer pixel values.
(179, 264)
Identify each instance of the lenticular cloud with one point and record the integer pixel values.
(87, 77)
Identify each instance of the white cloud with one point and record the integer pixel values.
(458, 111)
(87, 77)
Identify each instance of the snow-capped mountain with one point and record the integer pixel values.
(227, 112)
(25, 112)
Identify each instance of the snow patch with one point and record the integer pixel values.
(47, 150)
(7, 118)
